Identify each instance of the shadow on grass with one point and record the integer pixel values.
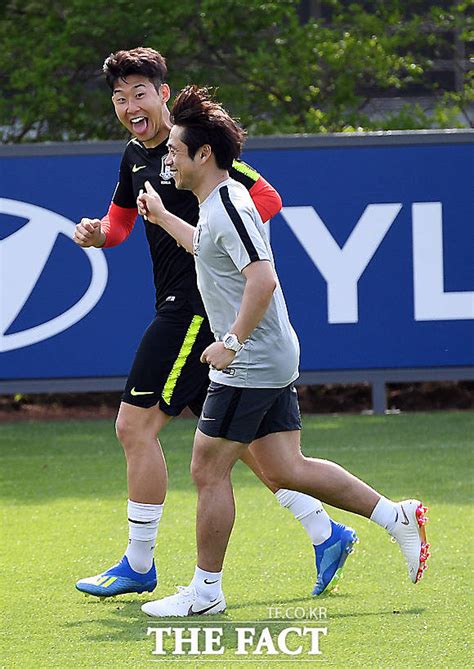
(126, 622)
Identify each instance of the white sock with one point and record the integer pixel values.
(310, 513)
(208, 584)
(143, 520)
(384, 513)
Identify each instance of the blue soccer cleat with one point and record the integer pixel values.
(331, 556)
(118, 580)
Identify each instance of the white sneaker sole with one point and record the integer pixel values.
(157, 610)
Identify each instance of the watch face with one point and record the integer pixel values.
(231, 342)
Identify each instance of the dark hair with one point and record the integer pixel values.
(206, 122)
(142, 60)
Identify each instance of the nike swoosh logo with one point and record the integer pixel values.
(209, 582)
(137, 168)
(141, 392)
(206, 418)
(406, 521)
(192, 612)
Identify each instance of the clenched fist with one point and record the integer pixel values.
(89, 233)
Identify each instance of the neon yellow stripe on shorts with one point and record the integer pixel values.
(180, 361)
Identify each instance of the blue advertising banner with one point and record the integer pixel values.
(374, 249)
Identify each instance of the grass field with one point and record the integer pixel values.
(64, 517)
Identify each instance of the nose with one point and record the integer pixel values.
(132, 106)
(169, 160)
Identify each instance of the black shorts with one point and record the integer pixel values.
(166, 370)
(245, 414)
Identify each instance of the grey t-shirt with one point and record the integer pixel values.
(229, 236)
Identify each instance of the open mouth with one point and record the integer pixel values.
(139, 124)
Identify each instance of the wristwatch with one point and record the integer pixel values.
(231, 341)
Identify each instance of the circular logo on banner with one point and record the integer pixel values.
(23, 256)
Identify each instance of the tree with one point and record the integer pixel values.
(277, 74)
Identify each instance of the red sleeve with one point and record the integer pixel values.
(266, 199)
(118, 224)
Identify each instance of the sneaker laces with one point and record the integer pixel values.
(186, 590)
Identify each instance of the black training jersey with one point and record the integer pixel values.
(173, 268)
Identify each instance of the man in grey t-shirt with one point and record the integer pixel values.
(253, 361)
(228, 238)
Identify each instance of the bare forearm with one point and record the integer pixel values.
(260, 284)
(255, 301)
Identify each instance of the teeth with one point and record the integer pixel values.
(138, 119)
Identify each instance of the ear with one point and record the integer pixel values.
(204, 152)
(165, 92)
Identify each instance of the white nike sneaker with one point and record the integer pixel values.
(184, 603)
(409, 532)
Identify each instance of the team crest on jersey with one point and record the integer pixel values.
(165, 173)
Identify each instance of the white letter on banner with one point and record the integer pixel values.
(180, 640)
(159, 632)
(282, 640)
(315, 632)
(245, 637)
(431, 302)
(213, 638)
(341, 268)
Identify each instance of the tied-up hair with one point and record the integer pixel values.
(142, 60)
(205, 121)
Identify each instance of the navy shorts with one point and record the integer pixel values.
(245, 414)
(166, 369)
